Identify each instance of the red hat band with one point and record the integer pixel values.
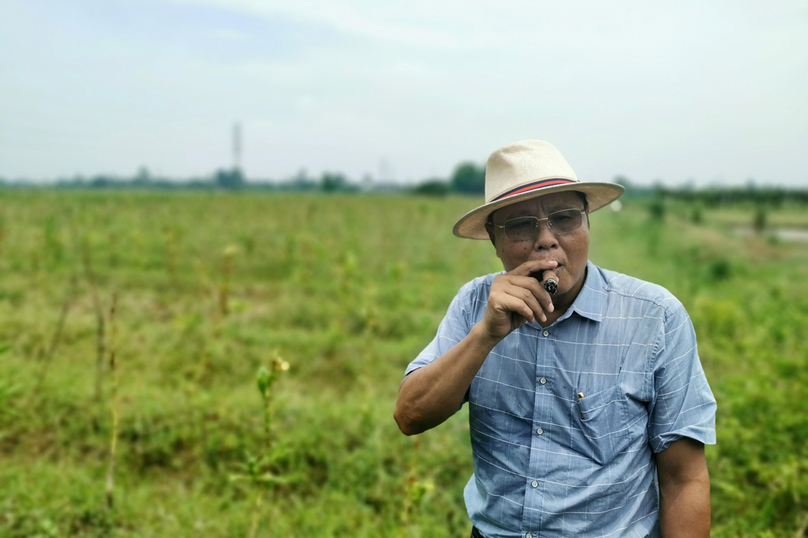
(533, 186)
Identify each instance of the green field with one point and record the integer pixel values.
(208, 288)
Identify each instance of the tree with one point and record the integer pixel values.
(333, 182)
(432, 187)
(468, 178)
(232, 179)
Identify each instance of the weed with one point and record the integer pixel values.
(57, 335)
(258, 469)
(223, 290)
(760, 219)
(100, 323)
(656, 209)
(109, 490)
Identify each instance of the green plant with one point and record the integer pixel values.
(109, 489)
(258, 469)
(656, 209)
(760, 219)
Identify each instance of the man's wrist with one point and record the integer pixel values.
(483, 338)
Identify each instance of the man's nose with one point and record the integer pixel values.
(545, 239)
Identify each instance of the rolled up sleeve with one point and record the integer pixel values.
(683, 405)
(454, 327)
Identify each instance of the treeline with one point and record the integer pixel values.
(716, 196)
(467, 178)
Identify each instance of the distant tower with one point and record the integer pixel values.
(237, 146)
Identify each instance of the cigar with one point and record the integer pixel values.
(550, 280)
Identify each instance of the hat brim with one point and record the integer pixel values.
(472, 224)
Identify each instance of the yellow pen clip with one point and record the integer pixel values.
(580, 397)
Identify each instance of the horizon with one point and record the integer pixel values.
(369, 183)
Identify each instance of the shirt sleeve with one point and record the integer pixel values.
(683, 404)
(455, 326)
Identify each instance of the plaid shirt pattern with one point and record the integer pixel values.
(564, 420)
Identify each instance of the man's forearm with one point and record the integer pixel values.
(430, 395)
(685, 509)
(684, 487)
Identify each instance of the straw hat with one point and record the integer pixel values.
(524, 170)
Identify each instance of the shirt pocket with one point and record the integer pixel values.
(603, 422)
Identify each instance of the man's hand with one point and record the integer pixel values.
(515, 299)
(431, 394)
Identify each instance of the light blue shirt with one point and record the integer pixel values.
(548, 462)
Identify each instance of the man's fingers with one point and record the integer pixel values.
(527, 296)
(532, 266)
(518, 294)
(535, 287)
(511, 304)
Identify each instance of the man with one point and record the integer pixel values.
(588, 409)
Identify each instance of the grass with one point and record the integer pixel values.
(211, 287)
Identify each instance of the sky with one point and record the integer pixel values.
(705, 93)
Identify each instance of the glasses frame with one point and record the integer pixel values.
(539, 221)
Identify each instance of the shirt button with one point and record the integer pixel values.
(534, 484)
(528, 535)
(546, 333)
(540, 431)
(543, 380)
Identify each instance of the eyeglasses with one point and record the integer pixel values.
(527, 228)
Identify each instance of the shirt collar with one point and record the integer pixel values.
(592, 298)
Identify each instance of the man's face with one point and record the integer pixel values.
(570, 250)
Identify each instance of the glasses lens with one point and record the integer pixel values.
(527, 228)
(521, 229)
(562, 222)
